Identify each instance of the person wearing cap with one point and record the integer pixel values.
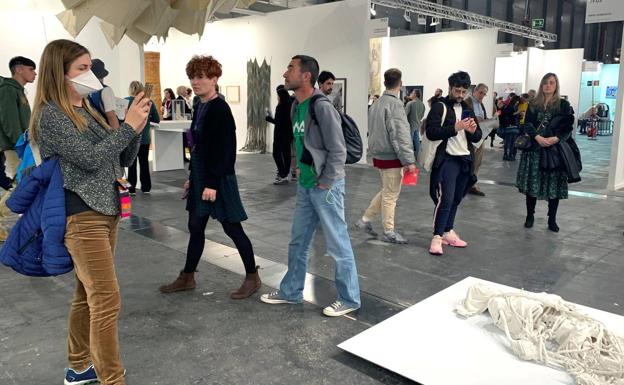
(282, 135)
(105, 98)
(14, 114)
(14, 119)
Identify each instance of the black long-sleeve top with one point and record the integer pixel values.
(283, 124)
(214, 136)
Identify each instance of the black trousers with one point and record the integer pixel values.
(281, 155)
(197, 227)
(146, 180)
(5, 181)
(450, 183)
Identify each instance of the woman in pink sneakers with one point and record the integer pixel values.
(452, 121)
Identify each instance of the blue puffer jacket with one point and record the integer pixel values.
(36, 244)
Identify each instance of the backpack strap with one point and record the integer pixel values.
(312, 110)
(443, 114)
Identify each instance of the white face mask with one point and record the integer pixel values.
(86, 83)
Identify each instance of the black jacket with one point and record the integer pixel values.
(214, 144)
(283, 124)
(437, 131)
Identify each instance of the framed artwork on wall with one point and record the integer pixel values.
(232, 94)
(339, 94)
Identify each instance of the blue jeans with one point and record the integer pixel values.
(326, 207)
(416, 141)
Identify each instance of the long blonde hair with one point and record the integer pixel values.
(538, 101)
(52, 87)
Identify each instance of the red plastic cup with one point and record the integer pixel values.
(410, 178)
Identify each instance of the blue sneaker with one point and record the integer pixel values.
(87, 376)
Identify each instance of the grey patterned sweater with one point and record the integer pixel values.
(90, 161)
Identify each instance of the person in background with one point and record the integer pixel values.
(326, 82)
(476, 101)
(532, 181)
(509, 122)
(142, 158)
(186, 113)
(14, 120)
(167, 104)
(415, 111)
(499, 103)
(104, 99)
(282, 135)
(532, 94)
(212, 188)
(92, 155)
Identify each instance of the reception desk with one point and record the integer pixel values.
(167, 144)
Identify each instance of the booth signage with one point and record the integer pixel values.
(589, 83)
(601, 11)
(378, 28)
(537, 23)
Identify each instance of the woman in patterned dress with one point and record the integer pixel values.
(535, 183)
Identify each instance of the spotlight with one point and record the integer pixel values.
(407, 17)
(422, 19)
(434, 21)
(539, 44)
(373, 11)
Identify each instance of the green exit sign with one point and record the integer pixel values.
(537, 23)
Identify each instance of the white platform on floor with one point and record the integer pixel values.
(430, 344)
(168, 144)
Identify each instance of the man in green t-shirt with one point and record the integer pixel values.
(321, 154)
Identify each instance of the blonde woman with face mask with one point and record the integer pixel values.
(92, 156)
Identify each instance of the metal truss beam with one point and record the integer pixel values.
(472, 19)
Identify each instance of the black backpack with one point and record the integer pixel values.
(350, 131)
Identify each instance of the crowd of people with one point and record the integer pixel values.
(75, 122)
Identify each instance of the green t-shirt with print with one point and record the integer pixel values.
(307, 176)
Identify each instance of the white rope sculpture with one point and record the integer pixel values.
(544, 328)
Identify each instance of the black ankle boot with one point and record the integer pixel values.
(552, 224)
(553, 205)
(528, 223)
(530, 206)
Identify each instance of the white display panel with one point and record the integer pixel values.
(429, 343)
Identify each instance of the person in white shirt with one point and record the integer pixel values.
(452, 121)
(106, 95)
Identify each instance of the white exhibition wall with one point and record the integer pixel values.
(529, 68)
(28, 25)
(335, 34)
(429, 59)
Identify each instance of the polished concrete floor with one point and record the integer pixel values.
(203, 337)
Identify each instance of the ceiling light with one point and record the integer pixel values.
(407, 17)
(372, 10)
(434, 21)
(539, 44)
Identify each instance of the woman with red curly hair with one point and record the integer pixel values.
(212, 189)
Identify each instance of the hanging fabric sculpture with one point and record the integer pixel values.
(544, 328)
(258, 102)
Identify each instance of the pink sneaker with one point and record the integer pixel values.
(452, 239)
(436, 245)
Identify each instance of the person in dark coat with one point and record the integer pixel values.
(282, 135)
(509, 125)
(532, 180)
(212, 189)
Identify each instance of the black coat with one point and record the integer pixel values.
(283, 124)
(214, 137)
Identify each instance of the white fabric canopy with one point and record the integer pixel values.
(142, 19)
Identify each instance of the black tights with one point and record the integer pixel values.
(553, 205)
(197, 227)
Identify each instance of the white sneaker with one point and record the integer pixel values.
(338, 308)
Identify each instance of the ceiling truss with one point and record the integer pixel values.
(472, 19)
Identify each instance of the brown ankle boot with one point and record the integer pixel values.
(250, 285)
(185, 281)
